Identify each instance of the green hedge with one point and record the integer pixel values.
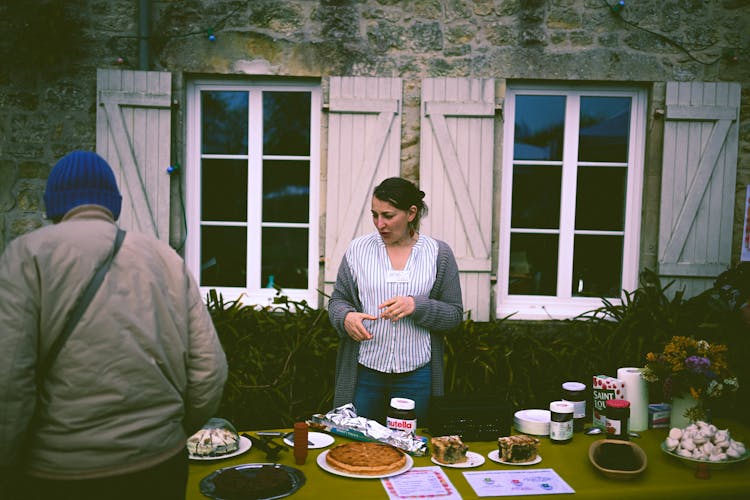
(282, 357)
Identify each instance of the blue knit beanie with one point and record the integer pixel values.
(81, 178)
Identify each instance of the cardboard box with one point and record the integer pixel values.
(658, 415)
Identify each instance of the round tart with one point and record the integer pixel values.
(366, 458)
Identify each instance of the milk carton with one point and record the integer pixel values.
(605, 388)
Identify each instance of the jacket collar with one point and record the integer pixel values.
(96, 212)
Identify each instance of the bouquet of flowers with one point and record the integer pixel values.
(689, 366)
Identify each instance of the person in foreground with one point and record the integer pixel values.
(141, 370)
(395, 291)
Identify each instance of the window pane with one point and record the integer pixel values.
(533, 264)
(284, 258)
(286, 191)
(224, 190)
(536, 197)
(597, 266)
(224, 122)
(223, 256)
(539, 127)
(286, 123)
(600, 203)
(605, 126)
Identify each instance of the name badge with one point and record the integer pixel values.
(398, 276)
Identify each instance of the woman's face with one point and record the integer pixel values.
(392, 223)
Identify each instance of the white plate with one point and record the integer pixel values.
(316, 440)
(495, 457)
(473, 460)
(535, 422)
(245, 444)
(693, 462)
(324, 465)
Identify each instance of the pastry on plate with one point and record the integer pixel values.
(517, 449)
(366, 458)
(449, 449)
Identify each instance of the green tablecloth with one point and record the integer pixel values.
(665, 476)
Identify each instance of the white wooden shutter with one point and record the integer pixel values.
(364, 147)
(133, 131)
(456, 162)
(698, 182)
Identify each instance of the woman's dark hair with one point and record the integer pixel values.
(402, 194)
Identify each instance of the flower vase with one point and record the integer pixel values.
(680, 406)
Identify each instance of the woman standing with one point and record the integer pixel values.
(396, 289)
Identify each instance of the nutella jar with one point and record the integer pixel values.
(401, 415)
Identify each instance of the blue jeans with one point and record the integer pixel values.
(372, 396)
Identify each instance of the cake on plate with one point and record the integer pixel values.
(268, 481)
(517, 449)
(217, 437)
(366, 458)
(449, 449)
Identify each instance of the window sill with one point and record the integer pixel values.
(536, 309)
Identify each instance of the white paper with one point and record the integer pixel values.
(636, 391)
(505, 483)
(421, 482)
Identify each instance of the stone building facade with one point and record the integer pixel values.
(52, 50)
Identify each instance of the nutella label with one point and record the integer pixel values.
(402, 424)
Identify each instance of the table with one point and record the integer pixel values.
(665, 476)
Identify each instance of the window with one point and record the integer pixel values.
(252, 188)
(571, 199)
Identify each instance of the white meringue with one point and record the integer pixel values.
(671, 444)
(675, 433)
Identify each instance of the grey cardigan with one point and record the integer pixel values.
(441, 310)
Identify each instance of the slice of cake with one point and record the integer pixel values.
(517, 449)
(449, 449)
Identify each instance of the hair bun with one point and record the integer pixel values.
(421, 194)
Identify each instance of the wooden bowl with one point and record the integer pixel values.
(618, 459)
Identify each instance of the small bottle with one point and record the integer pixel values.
(575, 392)
(617, 413)
(300, 442)
(401, 415)
(561, 422)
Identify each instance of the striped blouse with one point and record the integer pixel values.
(402, 346)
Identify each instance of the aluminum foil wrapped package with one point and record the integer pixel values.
(344, 421)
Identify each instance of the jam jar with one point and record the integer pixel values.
(617, 413)
(561, 422)
(575, 392)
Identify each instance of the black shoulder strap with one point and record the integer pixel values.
(80, 308)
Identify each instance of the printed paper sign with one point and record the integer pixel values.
(421, 482)
(506, 483)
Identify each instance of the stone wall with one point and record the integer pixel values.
(51, 49)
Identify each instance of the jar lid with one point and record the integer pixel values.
(617, 403)
(561, 407)
(402, 404)
(574, 386)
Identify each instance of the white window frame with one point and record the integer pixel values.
(248, 295)
(564, 304)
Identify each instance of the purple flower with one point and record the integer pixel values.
(698, 364)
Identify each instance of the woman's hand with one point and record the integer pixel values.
(354, 326)
(397, 308)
